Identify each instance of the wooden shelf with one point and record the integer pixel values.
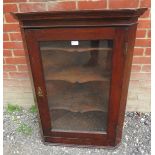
(90, 121)
(90, 96)
(47, 49)
(78, 74)
(76, 67)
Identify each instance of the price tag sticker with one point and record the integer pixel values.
(74, 43)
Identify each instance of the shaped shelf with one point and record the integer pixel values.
(50, 49)
(85, 97)
(78, 74)
(70, 121)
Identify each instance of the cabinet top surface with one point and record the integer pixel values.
(109, 15)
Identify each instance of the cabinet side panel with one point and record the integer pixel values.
(129, 41)
(116, 84)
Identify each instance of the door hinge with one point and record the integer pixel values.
(39, 92)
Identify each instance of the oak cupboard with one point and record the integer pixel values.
(80, 64)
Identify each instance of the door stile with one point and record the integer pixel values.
(38, 79)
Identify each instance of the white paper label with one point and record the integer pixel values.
(74, 43)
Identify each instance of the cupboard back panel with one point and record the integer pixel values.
(77, 77)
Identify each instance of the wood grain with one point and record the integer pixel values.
(80, 18)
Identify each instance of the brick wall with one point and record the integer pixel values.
(17, 87)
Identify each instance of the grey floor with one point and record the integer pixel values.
(22, 136)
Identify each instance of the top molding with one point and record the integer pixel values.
(84, 18)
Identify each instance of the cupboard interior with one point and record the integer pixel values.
(77, 81)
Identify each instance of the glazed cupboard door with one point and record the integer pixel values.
(77, 74)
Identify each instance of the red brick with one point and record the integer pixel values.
(138, 51)
(141, 60)
(149, 34)
(4, 61)
(141, 76)
(145, 3)
(142, 24)
(146, 14)
(15, 36)
(26, 84)
(143, 42)
(92, 4)
(9, 18)
(11, 82)
(17, 82)
(5, 37)
(11, 28)
(136, 68)
(59, 6)
(137, 83)
(5, 75)
(32, 7)
(10, 8)
(123, 3)
(9, 68)
(148, 51)
(22, 75)
(20, 60)
(134, 82)
(140, 33)
(11, 1)
(22, 68)
(7, 53)
(13, 45)
(19, 52)
(146, 68)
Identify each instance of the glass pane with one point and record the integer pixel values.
(77, 75)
